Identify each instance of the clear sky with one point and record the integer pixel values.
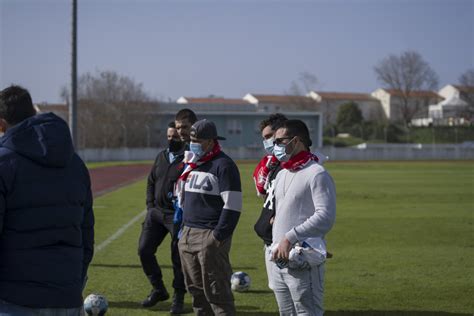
(229, 48)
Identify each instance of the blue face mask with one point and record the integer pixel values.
(196, 149)
(268, 145)
(279, 150)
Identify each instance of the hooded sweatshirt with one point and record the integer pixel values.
(46, 217)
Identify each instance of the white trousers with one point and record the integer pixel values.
(297, 292)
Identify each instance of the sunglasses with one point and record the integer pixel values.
(279, 141)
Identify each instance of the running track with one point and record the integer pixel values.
(108, 179)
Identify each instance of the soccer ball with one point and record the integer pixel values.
(96, 305)
(240, 281)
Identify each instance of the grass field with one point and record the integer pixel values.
(403, 244)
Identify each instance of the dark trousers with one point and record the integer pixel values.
(207, 271)
(154, 229)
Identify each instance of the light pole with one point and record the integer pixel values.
(73, 104)
(124, 135)
(147, 135)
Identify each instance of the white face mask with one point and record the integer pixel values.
(268, 145)
(280, 151)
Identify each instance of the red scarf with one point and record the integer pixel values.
(262, 173)
(190, 165)
(298, 161)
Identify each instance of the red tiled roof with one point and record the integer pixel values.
(52, 107)
(346, 96)
(465, 89)
(281, 99)
(418, 93)
(215, 101)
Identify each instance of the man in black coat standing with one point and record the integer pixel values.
(46, 216)
(160, 219)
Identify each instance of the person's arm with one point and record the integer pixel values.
(317, 225)
(231, 194)
(150, 186)
(2, 205)
(323, 194)
(5, 177)
(88, 230)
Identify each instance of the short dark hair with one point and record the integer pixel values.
(273, 120)
(15, 104)
(171, 124)
(297, 128)
(186, 114)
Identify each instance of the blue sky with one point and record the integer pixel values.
(229, 48)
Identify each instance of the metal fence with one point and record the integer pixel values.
(370, 152)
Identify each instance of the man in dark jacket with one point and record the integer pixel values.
(46, 217)
(210, 192)
(159, 222)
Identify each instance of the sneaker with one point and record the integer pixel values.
(156, 295)
(177, 306)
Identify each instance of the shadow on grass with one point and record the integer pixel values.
(355, 313)
(163, 266)
(160, 307)
(132, 266)
(391, 313)
(259, 291)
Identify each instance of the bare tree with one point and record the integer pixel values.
(300, 87)
(305, 83)
(113, 110)
(466, 82)
(406, 73)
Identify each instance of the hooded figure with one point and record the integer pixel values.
(46, 217)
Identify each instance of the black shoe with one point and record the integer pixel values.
(177, 306)
(156, 295)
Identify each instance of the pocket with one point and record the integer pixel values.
(213, 239)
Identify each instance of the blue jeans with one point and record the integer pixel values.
(9, 309)
(297, 292)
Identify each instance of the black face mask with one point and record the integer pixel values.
(175, 145)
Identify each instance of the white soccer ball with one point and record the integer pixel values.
(96, 305)
(240, 281)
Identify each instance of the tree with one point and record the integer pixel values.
(466, 81)
(113, 110)
(406, 73)
(305, 83)
(299, 89)
(349, 116)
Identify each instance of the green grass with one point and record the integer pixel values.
(92, 165)
(403, 244)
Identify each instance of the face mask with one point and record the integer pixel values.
(175, 145)
(280, 152)
(268, 145)
(196, 149)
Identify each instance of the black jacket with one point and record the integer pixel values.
(262, 227)
(161, 181)
(46, 217)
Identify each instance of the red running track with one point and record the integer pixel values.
(108, 179)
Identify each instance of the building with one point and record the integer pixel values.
(394, 107)
(330, 103)
(453, 110)
(239, 123)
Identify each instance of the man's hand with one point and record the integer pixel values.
(283, 250)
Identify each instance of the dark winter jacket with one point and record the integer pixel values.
(46, 217)
(161, 181)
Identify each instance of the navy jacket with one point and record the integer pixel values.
(46, 217)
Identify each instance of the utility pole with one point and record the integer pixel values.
(73, 104)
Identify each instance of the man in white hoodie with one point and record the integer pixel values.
(305, 203)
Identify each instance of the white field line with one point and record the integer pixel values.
(119, 232)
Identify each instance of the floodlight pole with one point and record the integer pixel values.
(73, 104)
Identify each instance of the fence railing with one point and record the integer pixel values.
(371, 152)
